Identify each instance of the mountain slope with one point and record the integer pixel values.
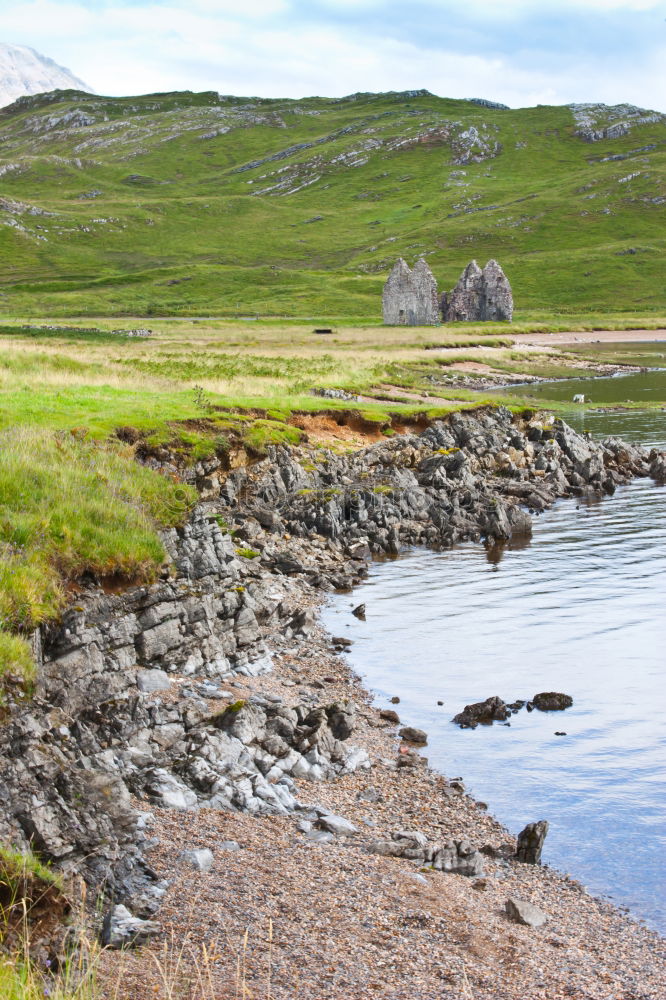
(24, 71)
(197, 203)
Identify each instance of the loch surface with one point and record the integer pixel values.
(580, 609)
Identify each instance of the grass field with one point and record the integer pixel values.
(191, 204)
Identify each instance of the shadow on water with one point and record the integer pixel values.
(579, 608)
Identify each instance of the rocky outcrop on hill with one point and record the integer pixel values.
(480, 295)
(131, 699)
(410, 296)
(595, 122)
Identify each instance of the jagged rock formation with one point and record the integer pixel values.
(96, 734)
(410, 296)
(479, 296)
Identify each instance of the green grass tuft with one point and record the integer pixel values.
(70, 506)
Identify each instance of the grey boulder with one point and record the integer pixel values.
(201, 859)
(521, 912)
(123, 930)
(337, 825)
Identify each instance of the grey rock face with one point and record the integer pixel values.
(410, 296)
(169, 792)
(479, 296)
(595, 122)
(530, 842)
(522, 912)
(70, 759)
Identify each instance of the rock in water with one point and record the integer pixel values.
(479, 296)
(388, 715)
(552, 701)
(490, 710)
(410, 297)
(412, 735)
(359, 612)
(525, 913)
(530, 842)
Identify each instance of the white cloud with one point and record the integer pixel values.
(257, 50)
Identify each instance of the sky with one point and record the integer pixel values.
(519, 52)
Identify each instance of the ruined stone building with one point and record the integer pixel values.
(479, 296)
(410, 296)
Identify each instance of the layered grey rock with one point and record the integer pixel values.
(455, 856)
(410, 296)
(480, 295)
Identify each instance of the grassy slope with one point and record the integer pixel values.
(178, 228)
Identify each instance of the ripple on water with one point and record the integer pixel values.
(581, 610)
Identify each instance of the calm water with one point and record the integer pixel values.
(643, 387)
(582, 609)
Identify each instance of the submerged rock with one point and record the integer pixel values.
(484, 712)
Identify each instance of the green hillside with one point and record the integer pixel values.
(197, 204)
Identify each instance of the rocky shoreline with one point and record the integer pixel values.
(211, 710)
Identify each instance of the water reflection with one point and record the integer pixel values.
(579, 608)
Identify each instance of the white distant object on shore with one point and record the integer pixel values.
(579, 398)
(24, 71)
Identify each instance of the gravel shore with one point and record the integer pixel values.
(284, 916)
